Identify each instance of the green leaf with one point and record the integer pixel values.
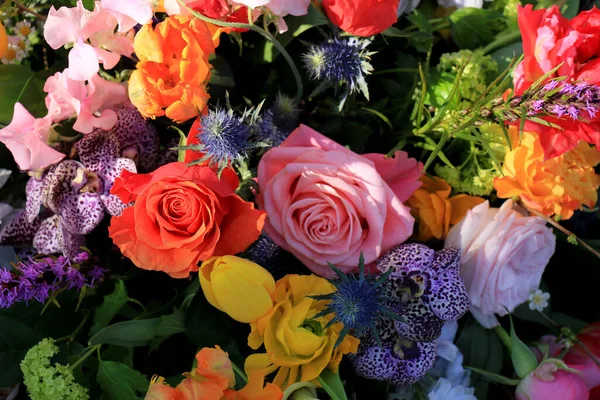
(205, 325)
(332, 384)
(18, 84)
(171, 324)
(505, 55)
(495, 377)
(522, 357)
(110, 307)
(481, 349)
(566, 320)
(128, 333)
(472, 27)
(119, 382)
(15, 339)
(421, 21)
(221, 74)
(380, 116)
(570, 9)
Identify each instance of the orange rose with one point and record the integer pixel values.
(182, 215)
(173, 71)
(558, 186)
(435, 211)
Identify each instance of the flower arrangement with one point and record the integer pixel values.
(295, 200)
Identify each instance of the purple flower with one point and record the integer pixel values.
(96, 274)
(550, 86)
(558, 110)
(573, 112)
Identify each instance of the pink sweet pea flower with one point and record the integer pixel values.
(92, 35)
(25, 137)
(552, 380)
(130, 13)
(92, 103)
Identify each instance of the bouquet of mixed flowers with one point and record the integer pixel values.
(295, 199)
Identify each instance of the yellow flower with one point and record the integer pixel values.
(297, 344)
(238, 287)
(558, 186)
(434, 211)
(3, 41)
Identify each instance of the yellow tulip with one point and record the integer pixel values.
(3, 41)
(238, 287)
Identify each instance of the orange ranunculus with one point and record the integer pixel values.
(3, 41)
(173, 71)
(435, 211)
(182, 215)
(213, 379)
(558, 186)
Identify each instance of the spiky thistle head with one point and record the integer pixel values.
(224, 138)
(279, 120)
(357, 302)
(340, 61)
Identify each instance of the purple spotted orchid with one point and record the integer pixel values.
(425, 289)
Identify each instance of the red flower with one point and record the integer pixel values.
(182, 215)
(221, 10)
(550, 39)
(364, 17)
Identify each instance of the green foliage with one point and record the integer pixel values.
(110, 307)
(332, 384)
(128, 333)
(46, 381)
(120, 382)
(474, 27)
(15, 339)
(18, 84)
(524, 361)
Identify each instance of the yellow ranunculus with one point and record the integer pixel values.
(3, 41)
(435, 211)
(297, 344)
(238, 287)
(557, 186)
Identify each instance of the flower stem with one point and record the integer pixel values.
(262, 32)
(239, 371)
(30, 11)
(85, 356)
(504, 40)
(504, 336)
(395, 70)
(73, 335)
(565, 231)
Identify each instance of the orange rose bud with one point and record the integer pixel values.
(558, 186)
(173, 71)
(182, 215)
(435, 211)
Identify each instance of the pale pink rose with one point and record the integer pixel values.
(26, 137)
(552, 380)
(91, 102)
(280, 8)
(325, 203)
(503, 256)
(92, 34)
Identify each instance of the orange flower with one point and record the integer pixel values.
(182, 215)
(213, 379)
(173, 71)
(434, 211)
(3, 41)
(558, 186)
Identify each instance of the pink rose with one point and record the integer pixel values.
(503, 256)
(325, 203)
(552, 380)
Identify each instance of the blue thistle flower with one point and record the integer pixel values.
(224, 138)
(279, 120)
(357, 302)
(340, 61)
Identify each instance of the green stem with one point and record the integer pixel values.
(504, 40)
(73, 335)
(394, 70)
(85, 356)
(265, 34)
(504, 336)
(239, 371)
(327, 389)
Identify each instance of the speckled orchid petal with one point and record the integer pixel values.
(419, 322)
(406, 258)
(98, 150)
(45, 240)
(70, 243)
(113, 204)
(414, 369)
(82, 213)
(138, 139)
(447, 296)
(34, 190)
(113, 171)
(19, 230)
(63, 183)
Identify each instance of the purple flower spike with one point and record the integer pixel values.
(398, 365)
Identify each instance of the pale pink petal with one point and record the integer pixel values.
(130, 12)
(25, 143)
(108, 59)
(64, 25)
(64, 96)
(83, 62)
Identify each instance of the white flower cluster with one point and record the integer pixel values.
(19, 43)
